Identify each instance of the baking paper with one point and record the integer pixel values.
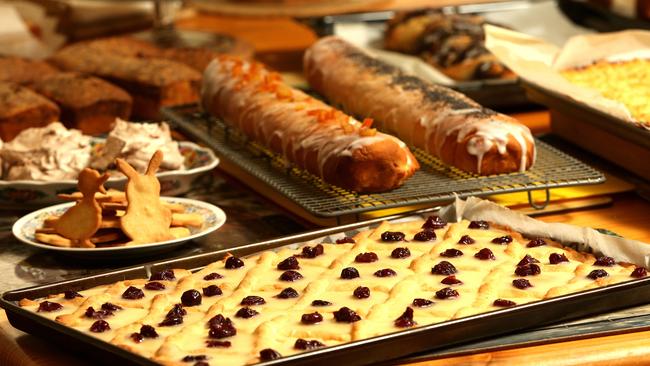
(540, 62)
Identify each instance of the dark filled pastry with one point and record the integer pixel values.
(21, 108)
(87, 103)
(436, 119)
(304, 130)
(452, 43)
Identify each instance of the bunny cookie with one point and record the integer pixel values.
(83, 220)
(146, 219)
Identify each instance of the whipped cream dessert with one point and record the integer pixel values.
(46, 153)
(53, 152)
(136, 143)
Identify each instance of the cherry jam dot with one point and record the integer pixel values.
(434, 222)
(48, 306)
(191, 298)
(504, 303)
(639, 272)
(605, 261)
(556, 258)
(451, 280)
(425, 235)
(422, 303)
(527, 259)
(386, 272)
(446, 293)
(246, 313)
(349, 273)
(521, 283)
(346, 315)
(311, 318)
(479, 224)
(133, 293)
(287, 293)
(444, 268)
(368, 257)
(69, 295)
(154, 286)
(537, 242)
(212, 290)
(212, 276)
(320, 303)
(597, 273)
(361, 292)
(252, 300)
(305, 344)
(345, 240)
(234, 263)
(164, 275)
(392, 236)
(531, 269)
(466, 240)
(485, 254)
(289, 263)
(211, 343)
(313, 252)
(290, 276)
(406, 319)
(399, 253)
(451, 253)
(100, 326)
(506, 239)
(269, 354)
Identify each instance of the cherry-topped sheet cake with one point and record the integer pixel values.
(277, 303)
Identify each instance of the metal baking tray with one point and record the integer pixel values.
(598, 17)
(368, 351)
(614, 139)
(434, 183)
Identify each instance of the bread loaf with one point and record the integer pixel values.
(21, 108)
(87, 103)
(152, 82)
(306, 131)
(23, 71)
(438, 120)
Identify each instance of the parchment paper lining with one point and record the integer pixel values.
(579, 238)
(540, 62)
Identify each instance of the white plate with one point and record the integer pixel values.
(213, 218)
(172, 182)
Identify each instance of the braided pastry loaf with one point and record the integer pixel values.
(440, 121)
(307, 132)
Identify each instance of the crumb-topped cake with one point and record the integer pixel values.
(627, 82)
(277, 303)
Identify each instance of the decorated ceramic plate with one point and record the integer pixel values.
(213, 217)
(198, 160)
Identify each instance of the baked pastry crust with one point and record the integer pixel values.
(438, 120)
(305, 131)
(491, 258)
(23, 71)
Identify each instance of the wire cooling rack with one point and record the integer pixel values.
(434, 183)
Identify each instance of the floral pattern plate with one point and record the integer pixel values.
(213, 218)
(198, 160)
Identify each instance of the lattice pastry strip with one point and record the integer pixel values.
(398, 275)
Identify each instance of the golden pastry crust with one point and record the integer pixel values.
(211, 328)
(305, 131)
(627, 82)
(436, 119)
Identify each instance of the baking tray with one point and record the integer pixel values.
(434, 183)
(609, 137)
(368, 351)
(599, 17)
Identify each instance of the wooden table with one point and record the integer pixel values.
(281, 42)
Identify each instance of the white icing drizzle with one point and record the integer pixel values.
(405, 112)
(245, 105)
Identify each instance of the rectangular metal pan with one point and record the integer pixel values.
(434, 183)
(614, 139)
(373, 350)
(599, 17)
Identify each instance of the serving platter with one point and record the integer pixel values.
(213, 218)
(198, 160)
(382, 348)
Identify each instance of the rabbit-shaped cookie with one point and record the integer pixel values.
(146, 219)
(82, 220)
